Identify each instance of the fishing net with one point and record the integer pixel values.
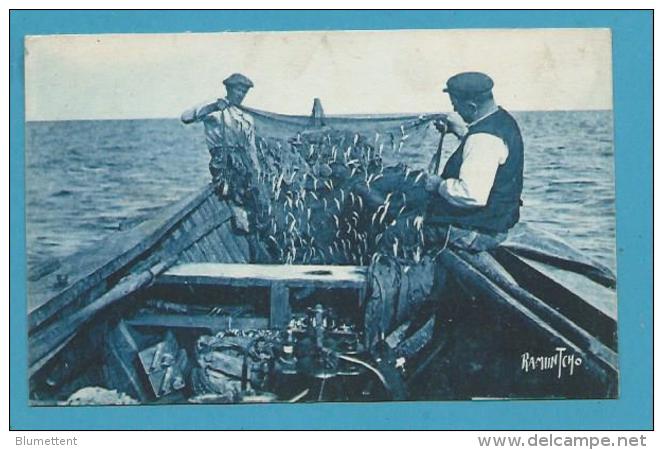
(338, 188)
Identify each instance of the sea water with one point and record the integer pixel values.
(85, 179)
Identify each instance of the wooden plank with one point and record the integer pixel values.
(88, 267)
(559, 295)
(220, 254)
(493, 270)
(224, 257)
(188, 228)
(121, 365)
(230, 240)
(279, 305)
(200, 250)
(353, 277)
(533, 243)
(45, 342)
(206, 245)
(600, 297)
(477, 283)
(212, 323)
(184, 258)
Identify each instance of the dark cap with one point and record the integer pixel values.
(237, 79)
(469, 84)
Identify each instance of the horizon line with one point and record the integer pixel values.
(362, 115)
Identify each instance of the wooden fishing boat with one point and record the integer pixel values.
(99, 317)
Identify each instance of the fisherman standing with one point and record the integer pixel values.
(231, 140)
(475, 197)
(234, 164)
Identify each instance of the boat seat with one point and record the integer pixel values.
(278, 278)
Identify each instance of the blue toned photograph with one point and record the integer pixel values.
(320, 216)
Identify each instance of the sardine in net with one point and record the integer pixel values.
(339, 189)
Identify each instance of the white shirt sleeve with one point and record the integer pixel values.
(482, 155)
(198, 113)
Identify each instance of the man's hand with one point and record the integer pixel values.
(221, 104)
(441, 125)
(433, 183)
(188, 116)
(452, 123)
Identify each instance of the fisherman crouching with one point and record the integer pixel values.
(475, 197)
(231, 139)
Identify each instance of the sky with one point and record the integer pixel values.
(353, 72)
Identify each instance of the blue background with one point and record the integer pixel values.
(633, 114)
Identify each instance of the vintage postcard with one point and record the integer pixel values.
(332, 216)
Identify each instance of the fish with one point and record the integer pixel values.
(384, 213)
(418, 222)
(419, 177)
(375, 215)
(417, 255)
(338, 204)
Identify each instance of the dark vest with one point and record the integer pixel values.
(502, 210)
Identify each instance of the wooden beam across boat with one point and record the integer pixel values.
(277, 278)
(264, 275)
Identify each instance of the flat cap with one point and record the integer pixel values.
(237, 79)
(469, 84)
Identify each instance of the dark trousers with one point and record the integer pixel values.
(438, 237)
